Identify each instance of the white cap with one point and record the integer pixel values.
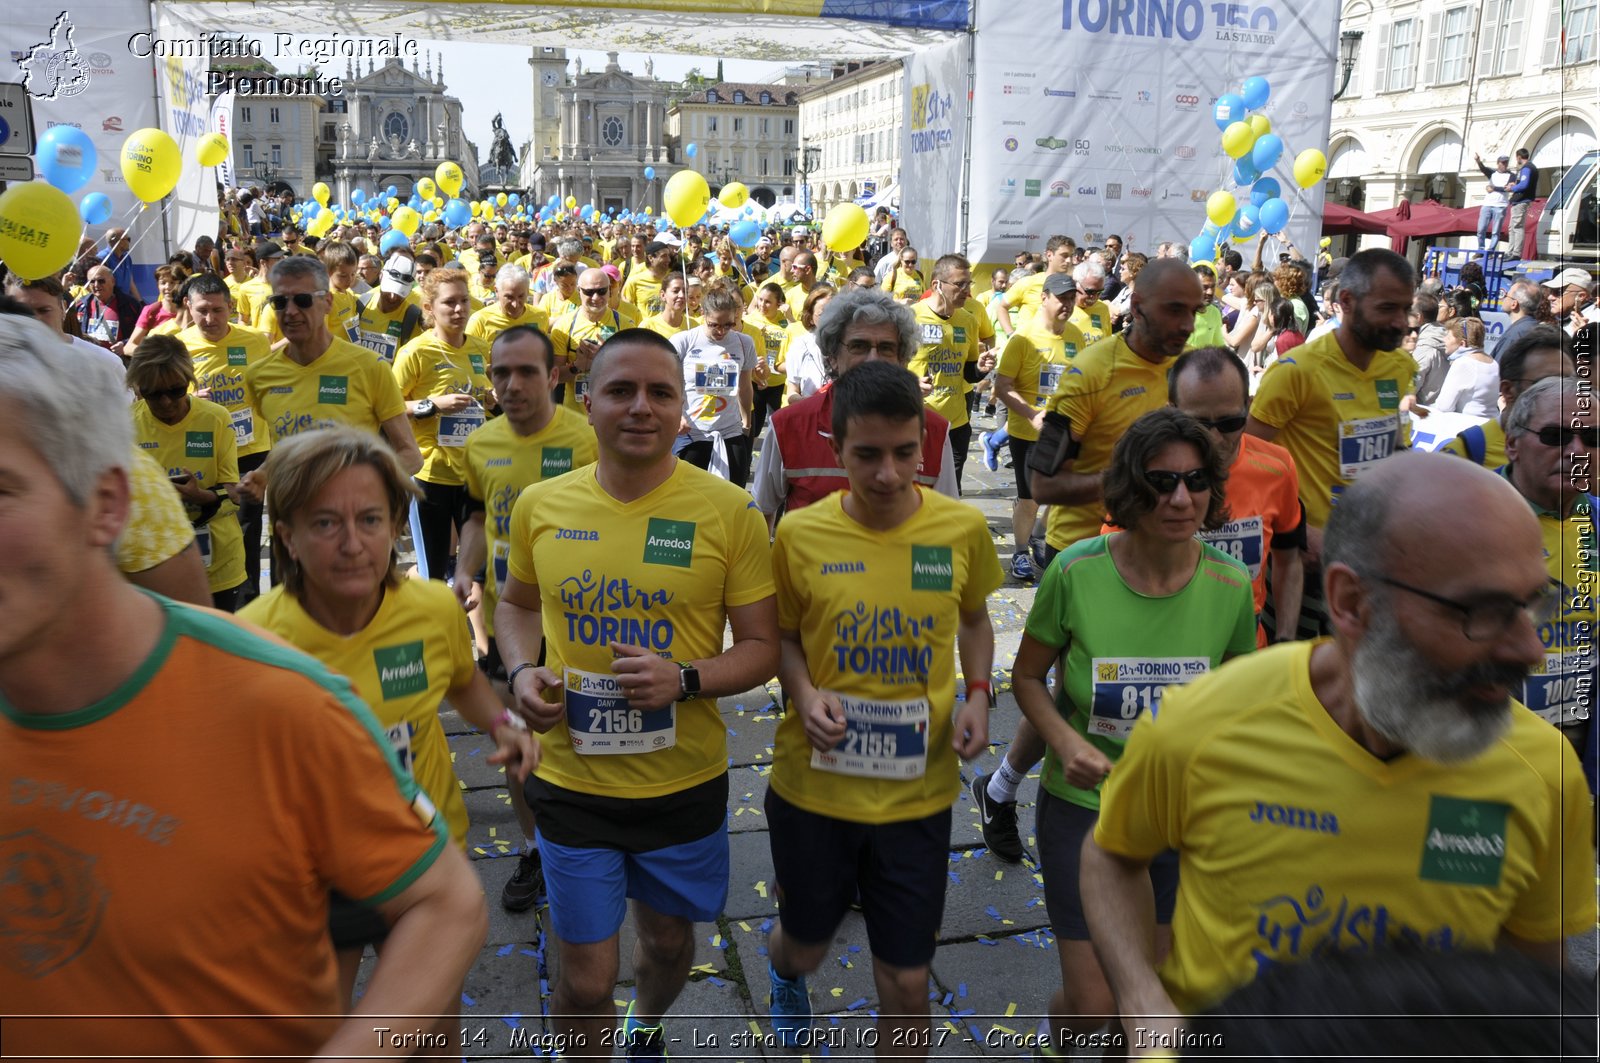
(399, 274)
(1570, 275)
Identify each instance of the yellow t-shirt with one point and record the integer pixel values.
(1336, 420)
(567, 334)
(1023, 297)
(1094, 321)
(904, 285)
(416, 650)
(1034, 359)
(877, 613)
(658, 324)
(554, 305)
(427, 367)
(233, 296)
(249, 297)
(489, 322)
(1561, 689)
(343, 318)
(157, 529)
(346, 384)
(385, 333)
(794, 298)
(1294, 840)
(203, 444)
(659, 572)
(642, 290)
(500, 463)
(1487, 439)
(768, 337)
(944, 347)
(1104, 390)
(220, 368)
(981, 316)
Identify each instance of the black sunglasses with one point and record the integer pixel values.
(164, 394)
(1555, 435)
(1165, 483)
(1224, 424)
(589, 293)
(303, 300)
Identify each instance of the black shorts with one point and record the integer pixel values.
(899, 868)
(1019, 466)
(1060, 827)
(354, 925)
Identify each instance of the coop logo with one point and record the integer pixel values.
(1113, 191)
(1011, 143)
(1187, 101)
(1058, 190)
(1064, 94)
(54, 69)
(1184, 151)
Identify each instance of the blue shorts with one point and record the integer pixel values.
(589, 889)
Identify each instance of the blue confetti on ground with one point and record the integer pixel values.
(860, 1002)
(505, 950)
(468, 1001)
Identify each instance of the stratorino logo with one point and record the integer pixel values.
(669, 542)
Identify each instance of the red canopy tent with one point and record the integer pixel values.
(1339, 220)
(1431, 218)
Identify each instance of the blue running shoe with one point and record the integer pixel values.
(790, 1009)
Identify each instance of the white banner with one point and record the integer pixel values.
(76, 66)
(186, 114)
(936, 135)
(222, 122)
(1096, 116)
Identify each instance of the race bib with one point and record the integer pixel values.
(399, 737)
(600, 721)
(1365, 442)
(244, 426)
(932, 335)
(381, 343)
(580, 386)
(202, 539)
(1049, 376)
(1559, 690)
(454, 428)
(720, 378)
(502, 556)
(1125, 687)
(882, 740)
(1240, 540)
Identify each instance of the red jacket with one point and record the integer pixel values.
(811, 471)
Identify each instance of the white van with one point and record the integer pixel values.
(1569, 228)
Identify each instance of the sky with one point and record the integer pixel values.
(476, 74)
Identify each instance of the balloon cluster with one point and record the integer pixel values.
(1248, 139)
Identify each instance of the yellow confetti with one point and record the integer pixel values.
(716, 941)
(837, 991)
(755, 1030)
(744, 926)
(491, 832)
(1011, 1010)
(998, 875)
(761, 888)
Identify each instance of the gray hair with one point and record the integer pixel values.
(866, 306)
(512, 273)
(1354, 535)
(569, 247)
(1360, 273)
(299, 266)
(1088, 270)
(1519, 420)
(79, 431)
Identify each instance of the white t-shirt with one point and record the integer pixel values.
(804, 365)
(712, 373)
(1470, 387)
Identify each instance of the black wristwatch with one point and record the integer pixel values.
(425, 409)
(689, 680)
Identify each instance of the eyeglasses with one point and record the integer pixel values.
(1196, 480)
(1555, 435)
(303, 300)
(959, 285)
(719, 326)
(1224, 424)
(1488, 617)
(594, 293)
(1090, 293)
(862, 348)
(164, 394)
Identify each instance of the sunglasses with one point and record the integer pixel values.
(164, 394)
(303, 300)
(1196, 480)
(1224, 424)
(1555, 435)
(594, 293)
(1090, 293)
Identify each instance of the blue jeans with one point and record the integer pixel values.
(1489, 219)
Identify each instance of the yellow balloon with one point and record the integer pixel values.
(448, 177)
(211, 149)
(39, 227)
(488, 212)
(320, 192)
(393, 203)
(686, 198)
(1310, 166)
(649, 210)
(406, 220)
(845, 228)
(733, 195)
(1237, 139)
(1260, 124)
(425, 188)
(1220, 208)
(572, 201)
(436, 202)
(430, 216)
(321, 223)
(151, 163)
(500, 200)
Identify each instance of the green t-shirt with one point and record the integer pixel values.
(1123, 648)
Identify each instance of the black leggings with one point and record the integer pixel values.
(698, 454)
(441, 508)
(250, 521)
(960, 440)
(768, 401)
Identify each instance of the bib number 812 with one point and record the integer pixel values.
(615, 721)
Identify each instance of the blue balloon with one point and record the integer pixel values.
(66, 157)
(513, 199)
(692, 150)
(1249, 221)
(1265, 189)
(94, 208)
(1256, 92)
(457, 213)
(745, 234)
(1274, 215)
(1244, 171)
(392, 240)
(1230, 109)
(383, 221)
(649, 173)
(1267, 149)
(391, 192)
(357, 196)
(1202, 248)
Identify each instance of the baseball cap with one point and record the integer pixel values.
(1503, 158)
(1059, 284)
(399, 274)
(611, 271)
(1570, 275)
(266, 249)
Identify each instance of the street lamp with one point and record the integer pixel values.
(1349, 43)
(810, 159)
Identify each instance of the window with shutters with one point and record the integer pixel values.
(1401, 72)
(277, 154)
(1500, 39)
(272, 115)
(247, 160)
(1455, 46)
(1571, 41)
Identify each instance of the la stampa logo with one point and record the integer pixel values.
(54, 69)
